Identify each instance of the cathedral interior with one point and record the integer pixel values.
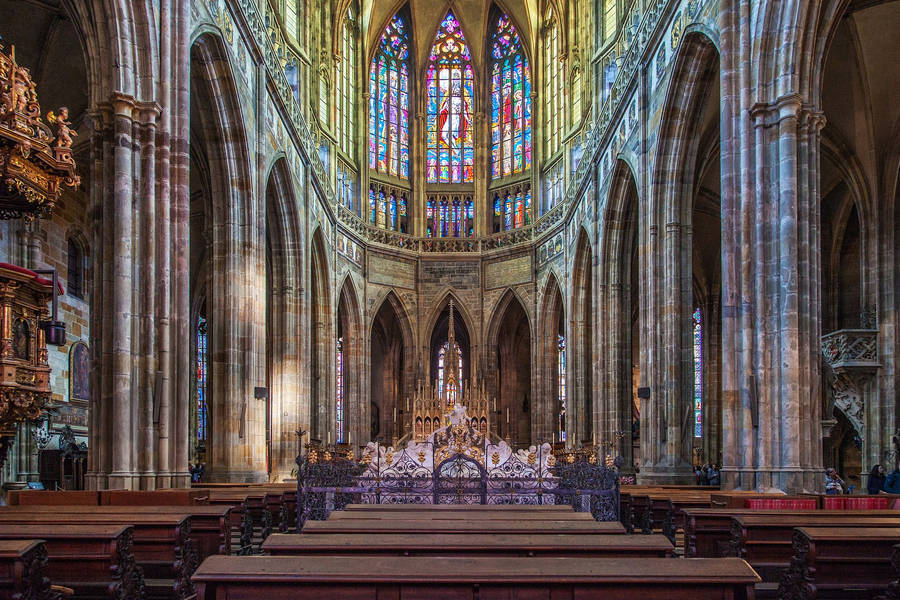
(667, 228)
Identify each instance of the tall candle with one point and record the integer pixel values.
(507, 415)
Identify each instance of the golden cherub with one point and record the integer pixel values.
(64, 132)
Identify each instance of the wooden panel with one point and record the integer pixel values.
(454, 526)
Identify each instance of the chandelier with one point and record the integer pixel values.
(35, 161)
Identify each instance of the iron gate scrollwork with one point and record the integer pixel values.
(460, 480)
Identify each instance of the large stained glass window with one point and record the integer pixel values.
(442, 356)
(346, 85)
(698, 374)
(512, 210)
(449, 218)
(389, 102)
(561, 373)
(200, 383)
(339, 391)
(450, 85)
(510, 102)
(555, 89)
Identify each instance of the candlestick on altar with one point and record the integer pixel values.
(507, 415)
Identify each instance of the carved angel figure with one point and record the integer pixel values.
(64, 132)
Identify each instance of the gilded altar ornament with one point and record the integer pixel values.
(495, 458)
(35, 162)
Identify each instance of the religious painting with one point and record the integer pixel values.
(510, 102)
(389, 102)
(450, 89)
(22, 339)
(79, 372)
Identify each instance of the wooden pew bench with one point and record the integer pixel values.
(162, 544)
(477, 544)
(553, 508)
(463, 514)
(22, 564)
(482, 577)
(766, 541)
(251, 520)
(96, 561)
(839, 563)
(375, 526)
(209, 524)
(707, 531)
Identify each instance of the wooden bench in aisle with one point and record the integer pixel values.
(475, 544)
(482, 577)
(95, 561)
(766, 541)
(22, 575)
(162, 544)
(708, 530)
(554, 508)
(839, 563)
(376, 526)
(462, 513)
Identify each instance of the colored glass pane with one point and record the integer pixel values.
(442, 355)
(450, 93)
(339, 391)
(698, 374)
(389, 102)
(510, 102)
(201, 349)
(561, 372)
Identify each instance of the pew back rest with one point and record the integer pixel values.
(50, 498)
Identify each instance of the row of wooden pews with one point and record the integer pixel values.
(483, 552)
(803, 547)
(139, 544)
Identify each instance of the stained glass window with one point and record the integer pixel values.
(510, 102)
(389, 102)
(449, 218)
(609, 19)
(512, 210)
(561, 372)
(442, 354)
(346, 181)
(200, 383)
(698, 374)
(387, 210)
(554, 94)
(346, 86)
(450, 85)
(339, 391)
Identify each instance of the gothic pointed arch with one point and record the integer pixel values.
(581, 342)
(349, 366)
(551, 420)
(690, 116)
(219, 140)
(392, 368)
(509, 369)
(284, 308)
(619, 311)
(437, 331)
(321, 409)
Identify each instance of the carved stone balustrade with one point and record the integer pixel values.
(852, 356)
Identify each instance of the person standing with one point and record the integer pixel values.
(876, 480)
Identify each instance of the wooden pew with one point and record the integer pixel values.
(462, 513)
(95, 561)
(765, 541)
(46, 497)
(476, 544)
(374, 526)
(455, 507)
(250, 516)
(707, 531)
(165, 497)
(209, 524)
(839, 562)
(482, 577)
(162, 544)
(756, 500)
(22, 564)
